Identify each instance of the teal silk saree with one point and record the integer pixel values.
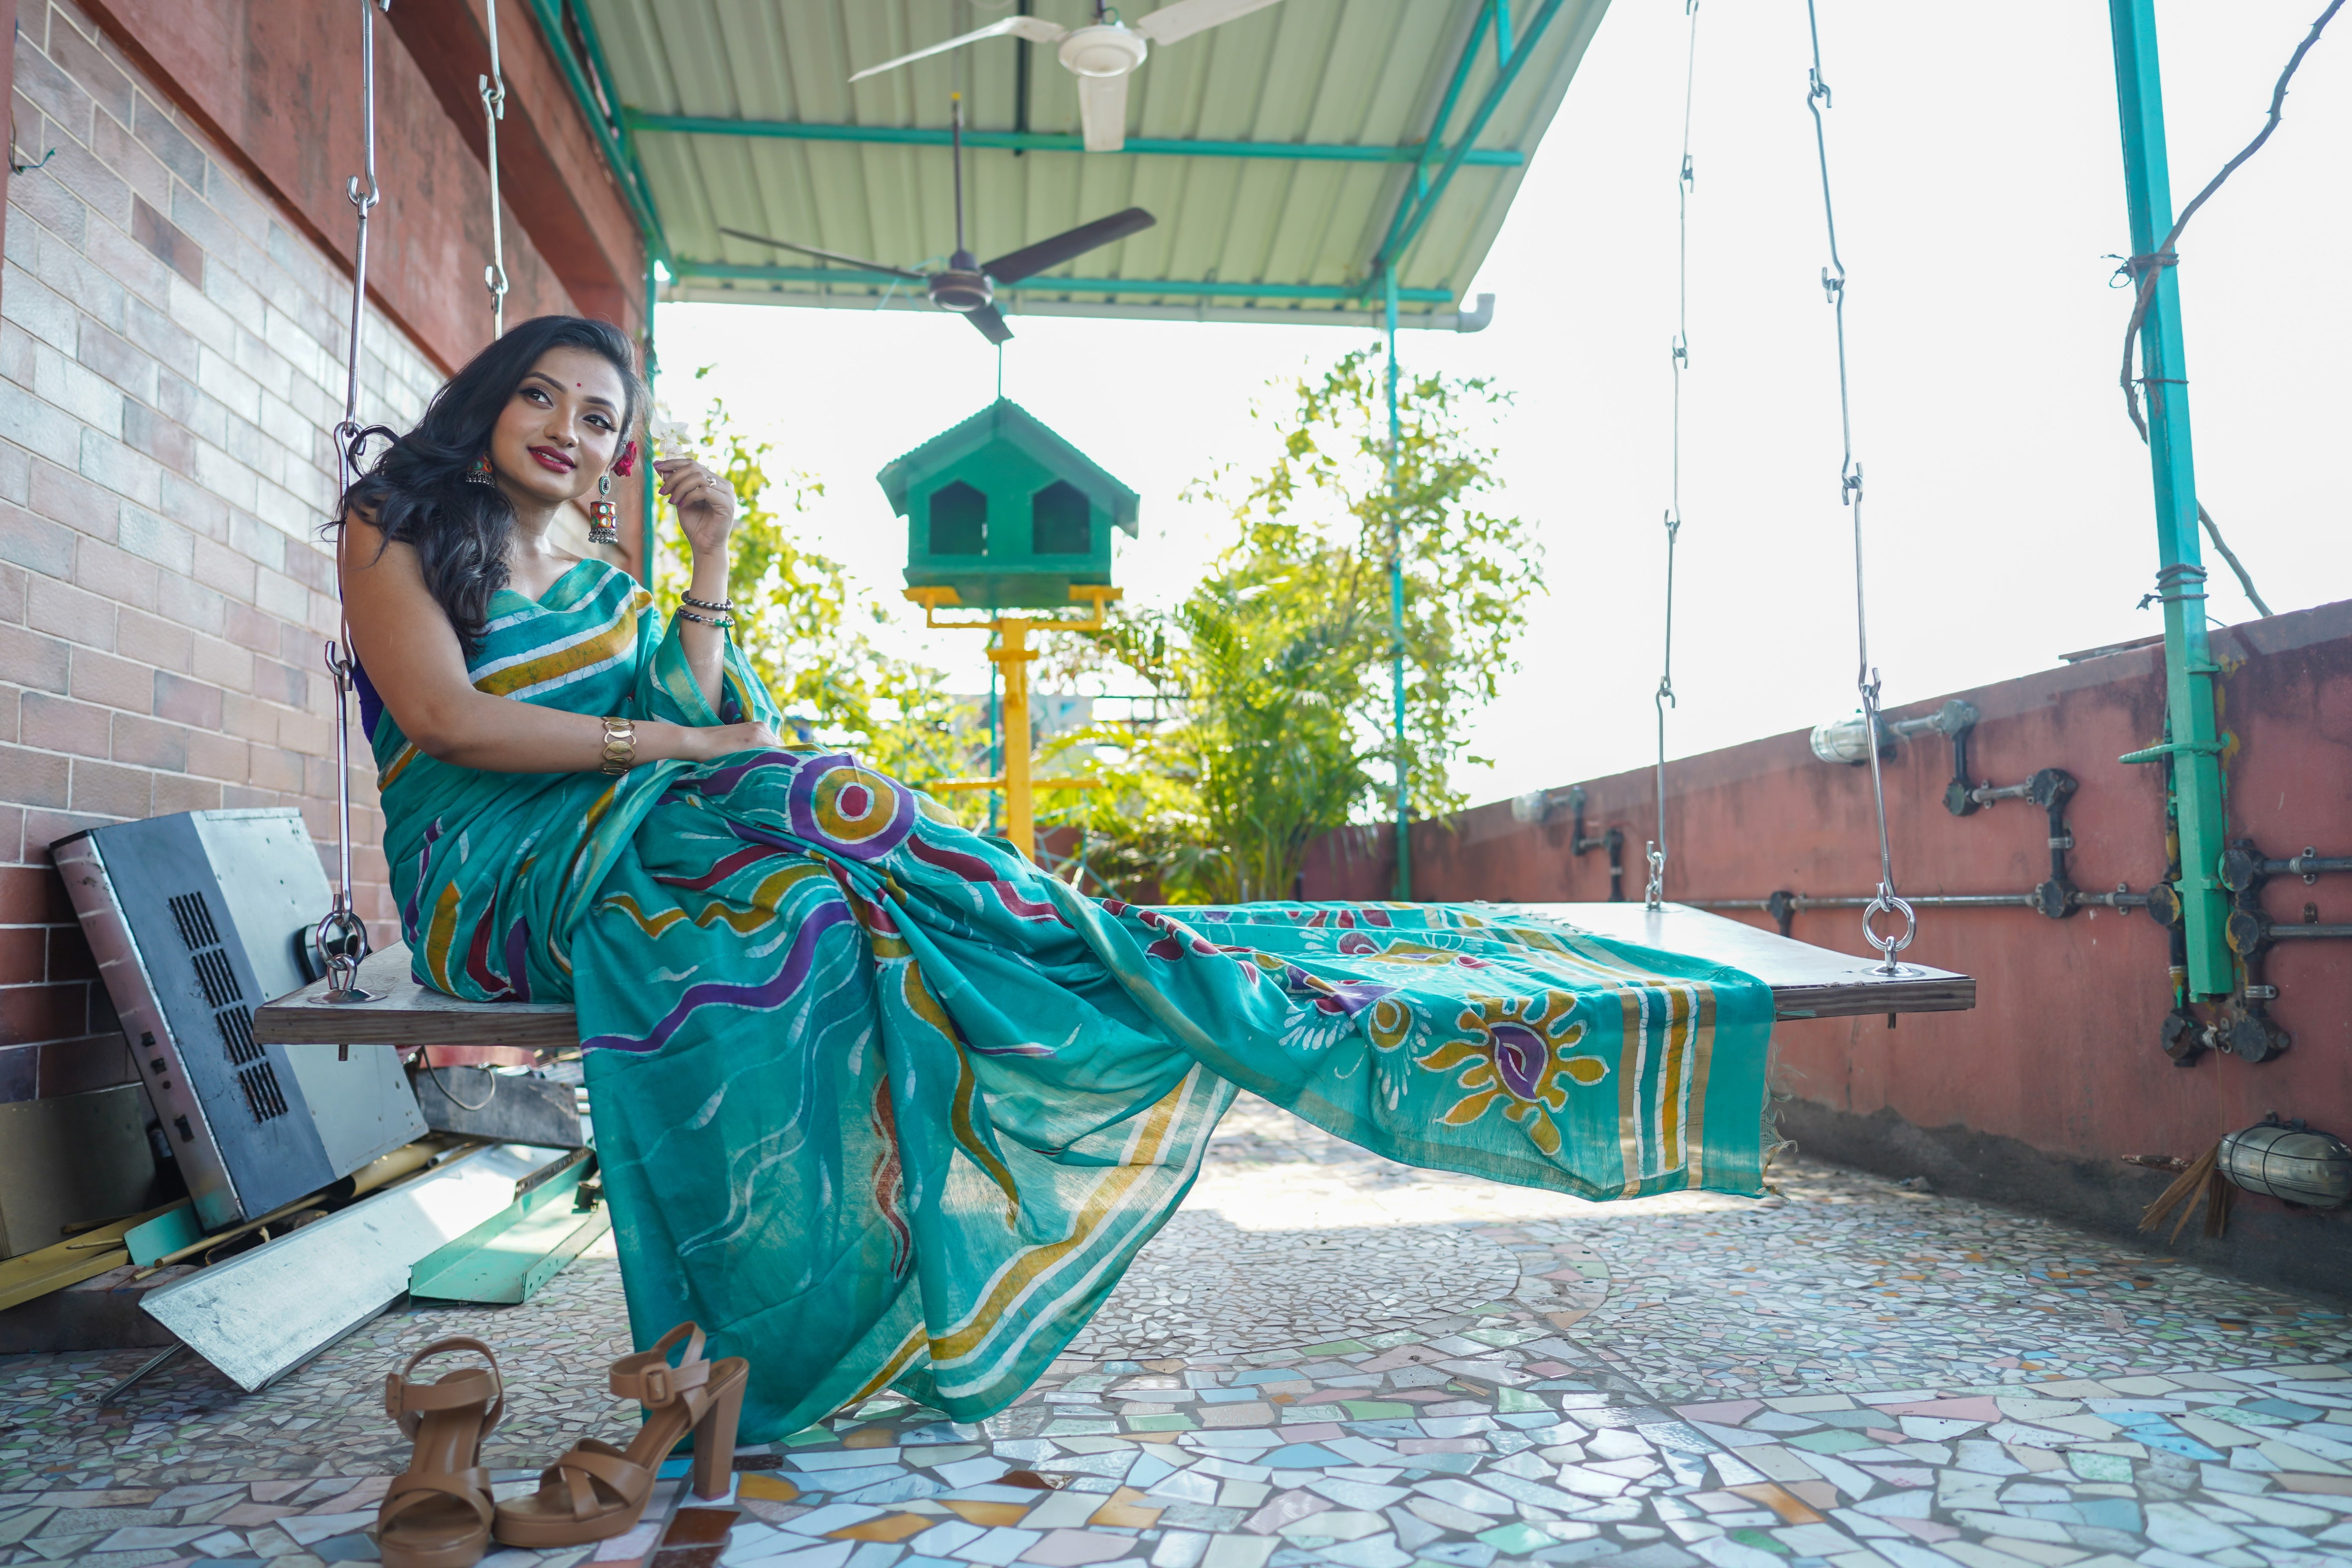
(879, 1103)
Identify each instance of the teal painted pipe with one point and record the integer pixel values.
(2189, 668)
(1338, 292)
(1042, 141)
(652, 367)
(1396, 613)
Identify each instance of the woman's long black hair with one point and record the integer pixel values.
(417, 492)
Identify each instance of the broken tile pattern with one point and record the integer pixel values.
(1863, 1286)
(1540, 1424)
(1206, 1287)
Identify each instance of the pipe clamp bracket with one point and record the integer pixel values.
(2188, 748)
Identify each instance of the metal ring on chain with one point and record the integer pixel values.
(1888, 903)
(343, 959)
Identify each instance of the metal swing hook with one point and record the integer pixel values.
(342, 936)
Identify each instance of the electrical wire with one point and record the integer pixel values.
(1866, 680)
(442, 1084)
(1655, 894)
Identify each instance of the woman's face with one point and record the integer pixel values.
(562, 429)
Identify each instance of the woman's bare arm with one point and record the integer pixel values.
(705, 513)
(418, 667)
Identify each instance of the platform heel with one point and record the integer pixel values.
(436, 1513)
(597, 1492)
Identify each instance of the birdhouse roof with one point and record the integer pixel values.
(1007, 421)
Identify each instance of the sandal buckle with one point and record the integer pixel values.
(392, 1387)
(658, 1388)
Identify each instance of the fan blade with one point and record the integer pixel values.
(1102, 111)
(1049, 254)
(992, 325)
(857, 261)
(1036, 29)
(1187, 17)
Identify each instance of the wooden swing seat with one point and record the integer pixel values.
(1807, 982)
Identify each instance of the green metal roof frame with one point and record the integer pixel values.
(1386, 130)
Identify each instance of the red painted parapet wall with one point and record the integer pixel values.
(2059, 1068)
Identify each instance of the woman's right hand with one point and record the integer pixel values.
(702, 743)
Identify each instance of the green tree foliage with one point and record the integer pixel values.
(802, 623)
(1281, 656)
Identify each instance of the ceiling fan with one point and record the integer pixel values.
(968, 287)
(1102, 55)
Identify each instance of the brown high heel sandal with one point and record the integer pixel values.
(597, 1492)
(438, 1512)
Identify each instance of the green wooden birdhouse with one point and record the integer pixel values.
(1006, 512)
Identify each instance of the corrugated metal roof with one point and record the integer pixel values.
(1332, 102)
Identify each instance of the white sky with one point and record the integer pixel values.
(1978, 174)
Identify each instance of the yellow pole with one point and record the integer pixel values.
(1012, 654)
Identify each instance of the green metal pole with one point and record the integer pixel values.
(1396, 613)
(652, 366)
(2195, 747)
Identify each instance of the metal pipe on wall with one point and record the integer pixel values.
(2193, 750)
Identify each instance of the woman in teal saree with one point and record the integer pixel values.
(879, 1102)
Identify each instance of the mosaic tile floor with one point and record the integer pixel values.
(1332, 1362)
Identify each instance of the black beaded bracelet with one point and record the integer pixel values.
(721, 607)
(706, 620)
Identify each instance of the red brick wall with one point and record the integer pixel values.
(172, 337)
(277, 86)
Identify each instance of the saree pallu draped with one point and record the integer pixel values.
(879, 1103)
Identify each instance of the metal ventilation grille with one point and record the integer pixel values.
(194, 920)
(216, 977)
(236, 1025)
(261, 1091)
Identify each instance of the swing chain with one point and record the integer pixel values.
(493, 88)
(1850, 492)
(342, 936)
(1654, 893)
